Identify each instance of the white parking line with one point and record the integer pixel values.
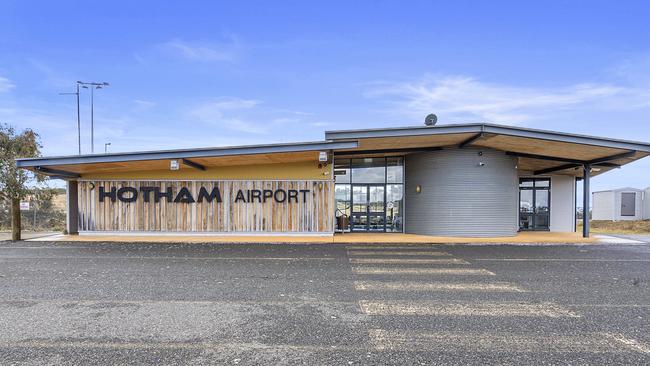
(158, 345)
(497, 309)
(421, 271)
(630, 343)
(616, 240)
(405, 261)
(435, 286)
(491, 342)
(397, 253)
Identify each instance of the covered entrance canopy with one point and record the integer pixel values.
(537, 151)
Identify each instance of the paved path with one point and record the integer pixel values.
(80, 303)
(6, 235)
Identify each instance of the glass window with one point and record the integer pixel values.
(359, 222)
(526, 201)
(342, 170)
(534, 203)
(376, 223)
(376, 203)
(394, 203)
(342, 196)
(394, 170)
(368, 170)
(541, 183)
(541, 201)
(371, 192)
(526, 182)
(360, 199)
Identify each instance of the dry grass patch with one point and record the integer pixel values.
(619, 227)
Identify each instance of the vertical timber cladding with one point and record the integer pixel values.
(290, 206)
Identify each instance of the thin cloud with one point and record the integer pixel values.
(229, 113)
(204, 52)
(143, 104)
(5, 85)
(467, 98)
(50, 76)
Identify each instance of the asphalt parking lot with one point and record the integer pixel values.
(99, 303)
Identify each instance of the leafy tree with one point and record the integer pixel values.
(43, 213)
(13, 181)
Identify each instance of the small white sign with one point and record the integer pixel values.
(24, 206)
(174, 165)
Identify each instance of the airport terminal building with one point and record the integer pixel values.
(467, 180)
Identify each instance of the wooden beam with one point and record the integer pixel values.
(544, 157)
(56, 172)
(555, 169)
(192, 164)
(626, 154)
(470, 140)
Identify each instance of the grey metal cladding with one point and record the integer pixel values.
(461, 197)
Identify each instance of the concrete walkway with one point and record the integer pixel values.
(348, 238)
(6, 235)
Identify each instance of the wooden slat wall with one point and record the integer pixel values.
(315, 215)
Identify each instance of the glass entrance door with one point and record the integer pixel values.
(534, 204)
(368, 207)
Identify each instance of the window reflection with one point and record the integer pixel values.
(342, 171)
(369, 191)
(394, 170)
(394, 203)
(369, 170)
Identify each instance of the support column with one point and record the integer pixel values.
(585, 200)
(72, 214)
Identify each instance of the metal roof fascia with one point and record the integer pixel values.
(565, 137)
(405, 131)
(489, 128)
(179, 154)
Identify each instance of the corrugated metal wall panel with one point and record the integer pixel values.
(459, 197)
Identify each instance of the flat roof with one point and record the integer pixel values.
(186, 153)
(487, 128)
(538, 152)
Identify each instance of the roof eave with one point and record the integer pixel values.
(179, 154)
(488, 128)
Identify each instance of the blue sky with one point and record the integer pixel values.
(193, 74)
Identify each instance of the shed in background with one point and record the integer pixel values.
(621, 204)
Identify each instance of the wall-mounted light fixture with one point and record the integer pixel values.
(174, 165)
(322, 156)
(418, 189)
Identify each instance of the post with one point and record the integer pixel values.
(92, 120)
(585, 200)
(78, 120)
(15, 219)
(72, 204)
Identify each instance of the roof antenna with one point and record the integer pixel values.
(431, 120)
